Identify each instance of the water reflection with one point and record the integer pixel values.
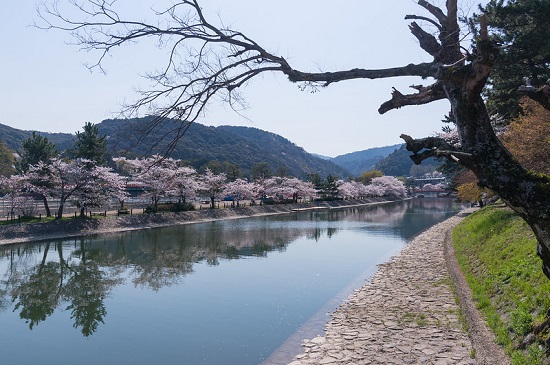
(78, 276)
(79, 282)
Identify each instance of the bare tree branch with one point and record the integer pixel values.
(540, 95)
(434, 10)
(425, 95)
(427, 41)
(207, 61)
(204, 61)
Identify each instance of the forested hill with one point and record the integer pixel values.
(391, 160)
(399, 163)
(242, 146)
(13, 138)
(361, 161)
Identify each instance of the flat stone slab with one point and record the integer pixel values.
(406, 314)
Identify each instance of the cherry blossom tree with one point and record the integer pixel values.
(12, 187)
(156, 173)
(304, 189)
(278, 188)
(61, 180)
(389, 186)
(287, 188)
(374, 190)
(79, 180)
(238, 190)
(212, 184)
(352, 190)
(104, 185)
(186, 183)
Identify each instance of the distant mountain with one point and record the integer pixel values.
(321, 156)
(361, 161)
(399, 163)
(242, 146)
(13, 138)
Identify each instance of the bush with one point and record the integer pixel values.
(171, 207)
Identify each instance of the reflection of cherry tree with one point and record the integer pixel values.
(37, 290)
(239, 189)
(79, 281)
(87, 287)
(212, 184)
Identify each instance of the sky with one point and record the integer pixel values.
(46, 87)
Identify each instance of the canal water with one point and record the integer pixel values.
(226, 292)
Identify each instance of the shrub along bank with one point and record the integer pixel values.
(497, 253)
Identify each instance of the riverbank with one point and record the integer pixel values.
(407, 313)
(23, 232)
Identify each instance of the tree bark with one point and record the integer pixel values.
(46, 206)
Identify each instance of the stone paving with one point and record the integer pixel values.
(406, 314)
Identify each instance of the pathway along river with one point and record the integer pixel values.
(225, 292)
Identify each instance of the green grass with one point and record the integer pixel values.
(43, 219)
(497, 253)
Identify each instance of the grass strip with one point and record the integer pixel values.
(496, 251)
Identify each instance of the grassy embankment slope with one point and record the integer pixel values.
(497, 253)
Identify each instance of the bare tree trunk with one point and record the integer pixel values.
(46, 206)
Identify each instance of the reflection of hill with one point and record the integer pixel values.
(78, 275)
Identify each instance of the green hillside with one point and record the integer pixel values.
(358, 162)
(13, 138)
(242, 146)
(399, 163)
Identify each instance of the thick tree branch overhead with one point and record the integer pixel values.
(205, 60)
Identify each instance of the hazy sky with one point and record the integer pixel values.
(46, 87)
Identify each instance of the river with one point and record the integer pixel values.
(225, 292)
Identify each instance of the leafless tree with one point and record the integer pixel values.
(206, 61)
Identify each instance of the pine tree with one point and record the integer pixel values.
(36, 149)
(521, 25)
(90, 145)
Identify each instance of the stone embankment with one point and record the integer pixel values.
(18, 233)
(406, 314)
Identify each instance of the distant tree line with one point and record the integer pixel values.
(91, 179)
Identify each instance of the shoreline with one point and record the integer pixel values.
(409, 312)
(19, 233)
(422, 280)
